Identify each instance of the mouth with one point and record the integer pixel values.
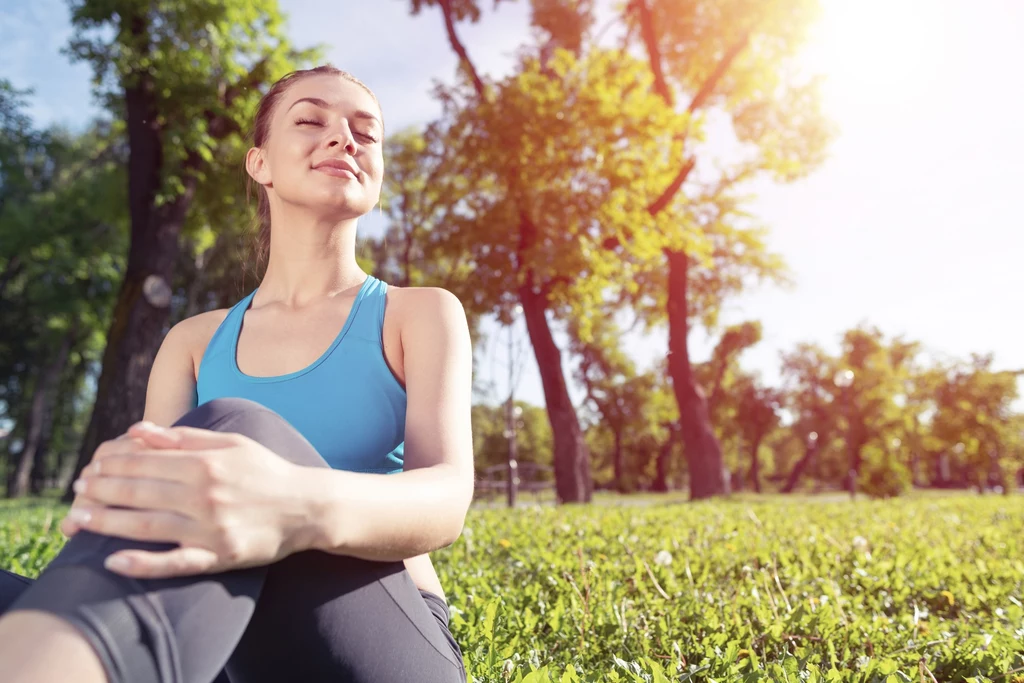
(338, 168)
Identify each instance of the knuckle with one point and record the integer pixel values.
(233, 550)
(208, 467)
(208, 504)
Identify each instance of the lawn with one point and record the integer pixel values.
(917, 589)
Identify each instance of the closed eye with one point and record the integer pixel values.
(308, 121)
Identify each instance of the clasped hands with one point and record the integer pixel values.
(226, 501)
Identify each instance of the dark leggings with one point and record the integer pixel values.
(310, 617)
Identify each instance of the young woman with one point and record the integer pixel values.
(301, 454)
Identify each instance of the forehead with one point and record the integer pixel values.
(339, 93)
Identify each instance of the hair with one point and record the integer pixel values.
(260, 133)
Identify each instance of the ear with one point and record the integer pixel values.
(256, 166)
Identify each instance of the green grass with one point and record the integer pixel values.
(744, 590)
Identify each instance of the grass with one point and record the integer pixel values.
(636, 589)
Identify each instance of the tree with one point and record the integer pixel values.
(735, 58)
(973, 420)
(61, 219)
(808, 374)
(542, 151)
(182, 78)
(625, 404)
(855, 404)
(490, 441)
(756, 417)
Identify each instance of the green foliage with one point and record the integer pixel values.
(63, 238)
(873, 592)
(973, 421)
(881, 475)
(533, 435)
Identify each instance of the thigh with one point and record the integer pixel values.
(11, 587)
(323, 617)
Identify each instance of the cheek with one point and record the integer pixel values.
(376, 167)
(289, 154)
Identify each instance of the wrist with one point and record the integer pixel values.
(316, 525)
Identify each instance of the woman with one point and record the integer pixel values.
(270, 518)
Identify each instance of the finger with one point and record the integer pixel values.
(155, 436)
(144, 494)
(122, 444)
(135, 525)
(142, 564)
(195, 438)
(68, 526)
(168, 465)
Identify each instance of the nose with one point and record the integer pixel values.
(343, 138)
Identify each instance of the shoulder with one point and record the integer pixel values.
(192, 335)
(427, 309)
(424, 302)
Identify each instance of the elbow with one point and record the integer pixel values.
(459, 509)
(456, 529)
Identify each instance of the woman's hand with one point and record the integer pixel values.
(225, 500)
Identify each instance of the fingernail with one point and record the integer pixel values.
(79, 516)
(149, 426)
(115, 562)
(78, 486)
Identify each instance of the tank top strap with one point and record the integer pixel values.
(368, 311)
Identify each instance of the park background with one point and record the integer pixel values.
(759, 256)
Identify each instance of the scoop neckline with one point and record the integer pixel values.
(237, 333)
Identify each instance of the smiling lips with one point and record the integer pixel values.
(338, 168)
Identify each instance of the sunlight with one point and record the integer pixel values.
(872, 51)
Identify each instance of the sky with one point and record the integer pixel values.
(910, 225)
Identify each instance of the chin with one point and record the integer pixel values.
(342, 206)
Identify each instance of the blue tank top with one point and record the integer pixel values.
(347, 403)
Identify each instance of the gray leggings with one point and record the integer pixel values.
(310, 617)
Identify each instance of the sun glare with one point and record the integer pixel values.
(876, 50)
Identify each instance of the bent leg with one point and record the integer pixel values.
(11, 587)
(311, 617)
(178, 630)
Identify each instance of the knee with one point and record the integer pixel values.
(215, 413)
(232, 405)
(259, 423)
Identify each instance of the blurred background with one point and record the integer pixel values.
(706, 246)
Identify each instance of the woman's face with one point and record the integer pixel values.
(324, 148)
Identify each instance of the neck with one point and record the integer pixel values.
(310, 258)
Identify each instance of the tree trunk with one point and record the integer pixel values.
(798, 469)
(703, 453)
(43, 395)
(571, 455)
(660, 483)
(12, 270)
(142, 308)
(755, 465)
(40, 471)
(617, 462)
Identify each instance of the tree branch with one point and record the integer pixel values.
(709, 85)
(459, 48)
(650, 38)
(219, 125)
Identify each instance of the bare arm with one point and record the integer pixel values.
(397, 516)
(171, 391)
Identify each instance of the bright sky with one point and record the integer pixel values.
(910, 225)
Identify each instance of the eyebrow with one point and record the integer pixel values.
(324, 104)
